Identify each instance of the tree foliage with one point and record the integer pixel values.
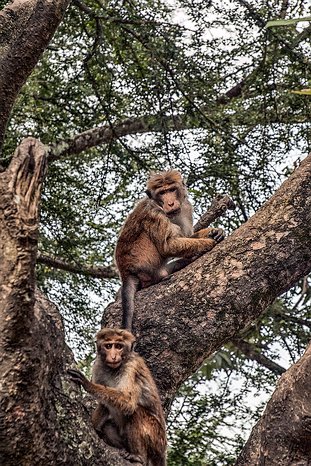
(200, 86)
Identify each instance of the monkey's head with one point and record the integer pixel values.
(168, 190)
(114, 346)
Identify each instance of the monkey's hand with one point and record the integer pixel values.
(77, 377)
(217, 234)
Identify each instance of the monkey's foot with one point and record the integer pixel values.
(131, 458)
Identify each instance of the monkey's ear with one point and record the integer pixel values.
(148, 193)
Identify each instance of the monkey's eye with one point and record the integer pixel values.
(108, 345)
(172, 190)
(118, 346)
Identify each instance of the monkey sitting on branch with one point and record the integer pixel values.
(158, 229)
(129, 415)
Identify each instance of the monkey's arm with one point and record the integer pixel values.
(170, 242)
(175, 246)
(217, 234)
(125, 400)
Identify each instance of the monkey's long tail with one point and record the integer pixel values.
(128, 291)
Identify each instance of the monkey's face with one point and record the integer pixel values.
(169, 199)
(112, 352)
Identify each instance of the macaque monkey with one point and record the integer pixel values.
(129, 415)
(158, 229)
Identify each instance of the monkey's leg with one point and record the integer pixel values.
(177, 264)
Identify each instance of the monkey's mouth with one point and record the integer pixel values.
(113, 365)
(172, 213)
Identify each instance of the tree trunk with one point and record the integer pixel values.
(26, 28)
(39, 422)
(282, 437)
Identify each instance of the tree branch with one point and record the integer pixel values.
(296, 320)
(95, 272)
(253, 352)
(218, 208)
(150, 124)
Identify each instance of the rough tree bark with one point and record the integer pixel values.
(283, 434)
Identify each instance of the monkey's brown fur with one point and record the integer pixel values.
(129, 415)
(159, 228)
